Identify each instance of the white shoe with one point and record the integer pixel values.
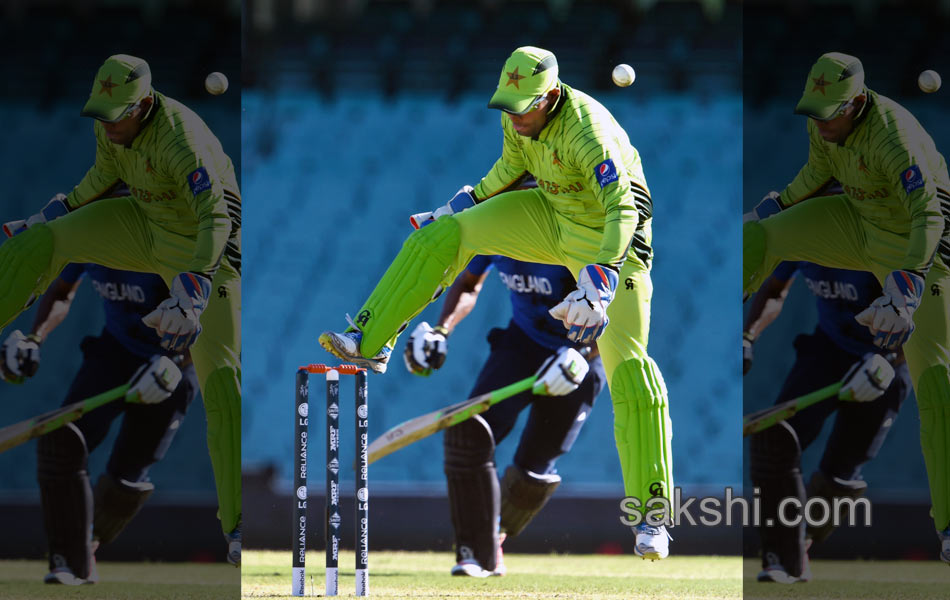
(346, 346)
(652, 542)
(469, 567)
(945, 545)
(63, 575)
(774, 572)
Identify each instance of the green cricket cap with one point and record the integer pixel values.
(122, 81)
(835, 79)
(528, 73)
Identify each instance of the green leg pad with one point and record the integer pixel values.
(222, 400)
(24, 270)
(753, 256)
(642, 429)
(409, 283)
(933, 400)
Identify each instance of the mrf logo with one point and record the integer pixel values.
(912, 179)
(199, 181)
(606, 173)
(363, 318)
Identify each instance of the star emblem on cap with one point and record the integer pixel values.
(107, 86)
(514, 78)
(820, 84)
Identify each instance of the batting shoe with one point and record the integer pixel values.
(346, 347)
(774, 572)
(63, 575)
(469, 567)
(945, 545)
(234, 545)
(652, 542)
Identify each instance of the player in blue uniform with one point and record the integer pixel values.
(839, 349)
(78, 519)
(483, 511)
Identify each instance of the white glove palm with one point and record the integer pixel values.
(462, 200)
(54, 209)
(425, 350)
(154, 381)
(891, 317)
(867, 379)
(584, 311)
(177, 320)
(21, 357)
(561, 373)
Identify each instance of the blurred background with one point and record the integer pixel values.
(52, 50)
(360, 113)
(895, 42)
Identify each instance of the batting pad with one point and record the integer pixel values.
(222, 399)
(24, 265)
(933, 401)
(642, 429)
(753, 255)
(408, 284)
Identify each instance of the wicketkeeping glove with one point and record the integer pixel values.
(426, 349)
(463, 199)
(867, 379)
(584, 311)
(891, 317)
(21, 357)
(54, 209)
(769, 205)
(154, 381)
(561, 373)
(178, 319)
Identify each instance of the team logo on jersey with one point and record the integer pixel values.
(199, 181)
(606, 173)
(912, 179)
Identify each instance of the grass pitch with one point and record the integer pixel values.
(426, 575)
(23, 580)
(858, 580)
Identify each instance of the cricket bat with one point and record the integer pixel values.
(14, 435)
(418, 428)
(765, 418)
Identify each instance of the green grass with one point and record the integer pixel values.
(854, 580)
(568, 577)
(23, 580)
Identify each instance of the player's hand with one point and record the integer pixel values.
(584, 311)
(891, 317)
(54, 209)
(867, 379)
(746, 353)
(178, 319)
(426, 349)
(154, 381)
(767, 206)
(463, 199)
(561, 373)
(21, 357)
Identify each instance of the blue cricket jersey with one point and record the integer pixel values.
(535, 288)
(127, 297)
(840, 295)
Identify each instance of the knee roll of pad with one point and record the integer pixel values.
(468, 445)
(222, 400)
(774, 452)
(642, 429)
(24, 270)
(116, 502)
(753, 254)
(933, 401)
(523, 495)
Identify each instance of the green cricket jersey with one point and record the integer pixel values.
(587, 169)
(181, 178)
(893, 175)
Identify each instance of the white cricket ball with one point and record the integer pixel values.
(929, 81)
(216, 83)
(623, 75)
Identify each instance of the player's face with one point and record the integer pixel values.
(124, 131)
(838, 129)
(532, 122)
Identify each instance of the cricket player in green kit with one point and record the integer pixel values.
(591, 212)
(892, 220)
(181, 221)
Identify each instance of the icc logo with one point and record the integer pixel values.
(302, 492)
(362, 411)
(303, 409)
(362, 495)
(333, 411)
